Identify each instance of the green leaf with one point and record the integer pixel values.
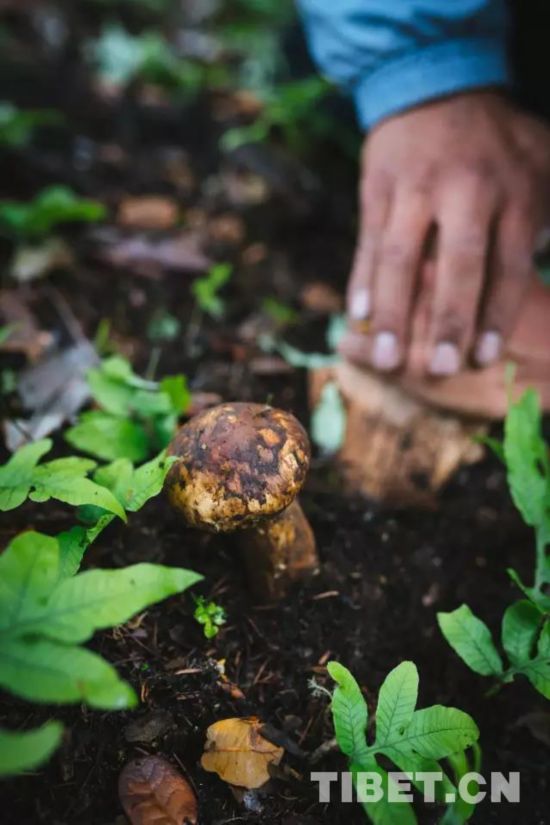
(462, 763)
(108, 437)
(540, 600)
(63, 479)
(436, 732)
(134, 487)
(175, 387)
(72, 546)
(520, 628)
(538, 669)
(385, 812)
(23, 750)
(349, 712)
(396, 702)
(16, 474)
(412, 739)
(53, 206)
(29, 570)
(526, 456)
(206, 289)
(472, 640)
(328, 419)
(46, 671)
(115, 386)
(17, 126)
(97, 599)
(305, 360)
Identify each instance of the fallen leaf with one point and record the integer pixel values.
(321, 298)
(32, 262)
(538, 724)
(238, 753)
(54, 390)
(148, 212)
(152, 792)
(226, 229)
(25, 337)
(149, 256)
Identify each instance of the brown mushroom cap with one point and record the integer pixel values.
(238, 462)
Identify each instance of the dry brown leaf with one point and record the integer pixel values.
(148, 212)
(226, 229)
(153, 792)
(238, 753)
(150, 257)
(26, 335)
(322, 298)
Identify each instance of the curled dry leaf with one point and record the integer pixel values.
(238, 753)
(152, 792)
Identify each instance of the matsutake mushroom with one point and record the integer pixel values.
(240, 467)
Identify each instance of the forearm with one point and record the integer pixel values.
(395, 55)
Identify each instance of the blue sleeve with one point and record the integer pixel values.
(394, 54)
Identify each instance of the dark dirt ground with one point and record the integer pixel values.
(384, 574)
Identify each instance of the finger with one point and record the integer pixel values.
(395, 276)
(511, 270)
(374, 202)
(465, 224)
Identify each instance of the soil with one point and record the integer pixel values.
(384, 574)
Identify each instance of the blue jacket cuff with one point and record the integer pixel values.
(426, 74)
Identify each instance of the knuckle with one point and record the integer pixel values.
(389, 316)
(451, 324)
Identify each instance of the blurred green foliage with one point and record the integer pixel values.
(54, 206)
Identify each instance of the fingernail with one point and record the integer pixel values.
(445, 359)
(488, 348)
(360, 305)
(385, 353)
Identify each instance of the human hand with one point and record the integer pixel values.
(477, 170)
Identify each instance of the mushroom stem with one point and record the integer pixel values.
(278, 552)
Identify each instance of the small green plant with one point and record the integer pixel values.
(17, 126)
(527, 459)
(46, 613)
(53, 207)
(64, 479)
(206, 290)
(48, 610)
(525, 632)
(291, 108)
(281, 313)
(136, 416)
(525, 636)
(210, 615)
(413, 740)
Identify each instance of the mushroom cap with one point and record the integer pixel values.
(238, 463)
